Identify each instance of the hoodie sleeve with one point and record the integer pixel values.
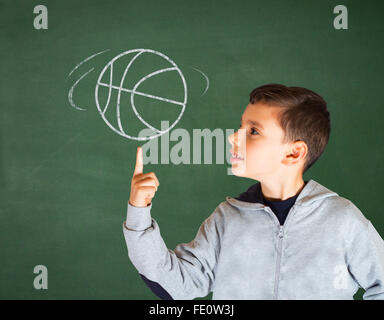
(366, 262)
(186, 272)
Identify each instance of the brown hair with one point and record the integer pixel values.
(304, 116)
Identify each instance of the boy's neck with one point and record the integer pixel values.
(279, 191)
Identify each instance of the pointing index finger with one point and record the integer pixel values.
(139, 161)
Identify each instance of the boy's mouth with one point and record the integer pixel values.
(235, 157)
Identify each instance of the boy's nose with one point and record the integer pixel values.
(234, 141)
(237, 140)
(230, 138)
(233, 138)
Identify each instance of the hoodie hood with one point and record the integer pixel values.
(312, 191)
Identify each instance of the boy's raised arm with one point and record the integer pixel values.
(188, 271)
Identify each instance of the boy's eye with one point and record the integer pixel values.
(253, 130)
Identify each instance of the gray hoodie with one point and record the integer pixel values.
(326, 249)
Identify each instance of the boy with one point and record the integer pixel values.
(284, 238)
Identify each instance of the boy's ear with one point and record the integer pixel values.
(297, 152)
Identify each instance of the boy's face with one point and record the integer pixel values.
(259, 144)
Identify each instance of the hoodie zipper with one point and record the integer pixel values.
(280, 237)
(278, 261)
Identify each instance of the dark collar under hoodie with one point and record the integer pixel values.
(280, 208)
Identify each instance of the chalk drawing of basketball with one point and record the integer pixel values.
(115, 85)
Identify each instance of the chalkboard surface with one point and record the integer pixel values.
(66, 164)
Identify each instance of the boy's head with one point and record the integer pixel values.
(284, 130)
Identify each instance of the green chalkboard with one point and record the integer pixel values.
(65, 169)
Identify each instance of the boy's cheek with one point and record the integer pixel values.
(256, 161)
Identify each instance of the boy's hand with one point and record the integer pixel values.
(143, 186)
